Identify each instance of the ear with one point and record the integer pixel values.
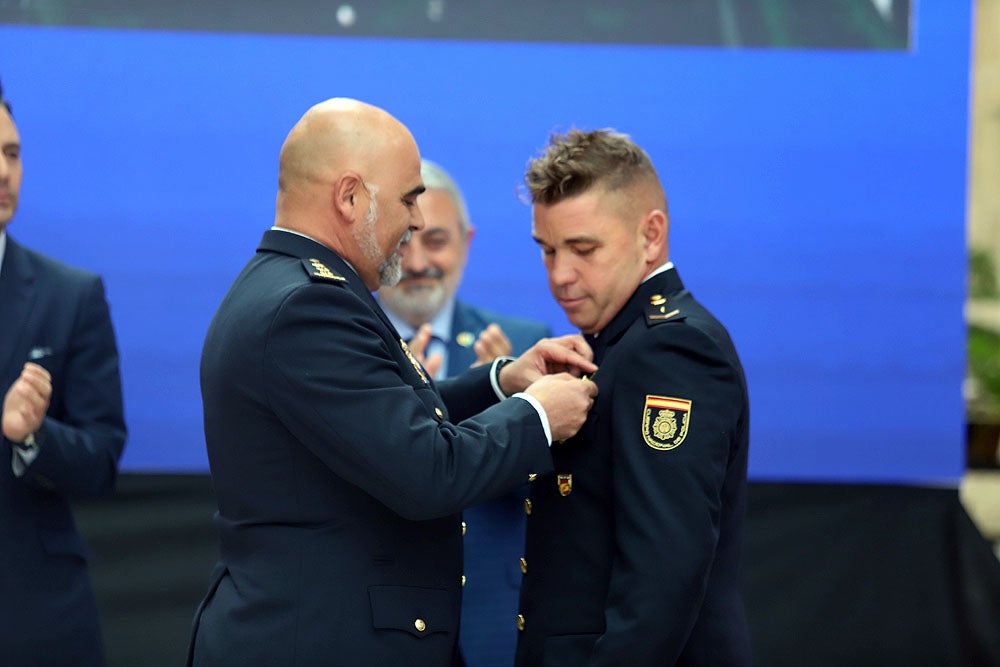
(345, 191)
(655, 228)
(466, 243)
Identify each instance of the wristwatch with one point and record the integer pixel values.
(501, 362)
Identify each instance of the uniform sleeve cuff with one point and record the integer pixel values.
(541, 413)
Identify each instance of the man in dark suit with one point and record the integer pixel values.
(633, 545)
(63, 433)
(338, 464)
(458, 336)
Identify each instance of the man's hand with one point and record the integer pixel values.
(566, 400)
(492, 343)
(418, 346)
(566, 354)
(26, 402)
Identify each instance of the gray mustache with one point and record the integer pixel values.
(429, 273)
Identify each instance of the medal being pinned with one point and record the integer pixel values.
(565, 484)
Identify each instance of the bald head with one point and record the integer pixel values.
(343, 162)
(334, 136)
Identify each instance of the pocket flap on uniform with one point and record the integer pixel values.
(419, 611)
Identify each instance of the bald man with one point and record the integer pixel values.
(338, 464)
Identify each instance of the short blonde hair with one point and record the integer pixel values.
(577, 161)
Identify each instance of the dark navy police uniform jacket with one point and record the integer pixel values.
(340, 470)
(633, 545)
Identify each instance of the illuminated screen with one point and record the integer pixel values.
(816, 174)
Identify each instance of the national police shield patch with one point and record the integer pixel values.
(665, 421)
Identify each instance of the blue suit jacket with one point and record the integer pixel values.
(494, 539)
(468, 319)
(340, 470)
(56, 316)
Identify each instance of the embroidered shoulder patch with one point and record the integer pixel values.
(665, 421)
(318, 271)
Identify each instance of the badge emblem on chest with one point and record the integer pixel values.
(665, 421)
(565, 483)
(413, 360)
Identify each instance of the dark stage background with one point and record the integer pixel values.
(835, 574)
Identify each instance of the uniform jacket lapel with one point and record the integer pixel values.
(464, 325)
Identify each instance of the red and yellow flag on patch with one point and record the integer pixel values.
(665, 421)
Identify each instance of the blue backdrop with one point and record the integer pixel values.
(817, 204)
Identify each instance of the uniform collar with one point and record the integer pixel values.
(303, 247)
(306, 236)
(664, 280)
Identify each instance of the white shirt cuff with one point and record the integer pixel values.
(22, 457)
(541, 413)
(532, 401)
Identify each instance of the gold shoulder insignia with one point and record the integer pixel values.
(318, 271)
(659, 310)
(665, 421)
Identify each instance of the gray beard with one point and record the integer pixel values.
(390, 269)
(415, 304)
